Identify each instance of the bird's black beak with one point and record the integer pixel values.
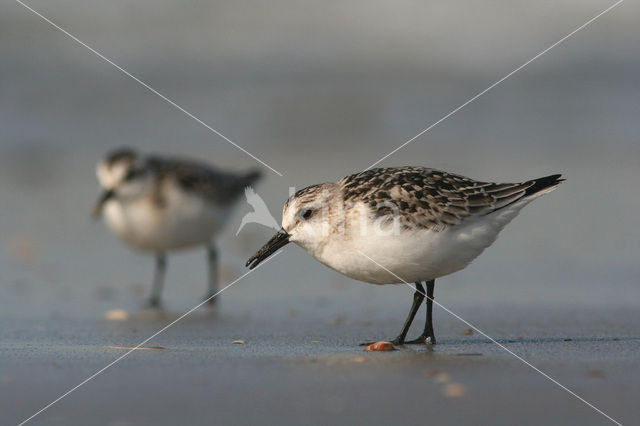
(97, 209)
(281, 239)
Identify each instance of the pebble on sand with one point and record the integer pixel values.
(442, 377)
(22, 248)
(116, 315)
(454, 390)
(380, 347)
(467, 332)
(431, 372)
(595, 373)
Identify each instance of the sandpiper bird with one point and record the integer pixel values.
(159, 204)
(405, 224)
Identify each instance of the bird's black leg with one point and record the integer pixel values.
(212, 256)
(158, 280)
(428, 325)
(418, 297)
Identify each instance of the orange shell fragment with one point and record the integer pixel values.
(380, 347)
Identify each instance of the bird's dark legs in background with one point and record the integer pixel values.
(212, 256)
(158, 280)
(428, 325)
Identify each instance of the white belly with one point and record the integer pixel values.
(411, 256)
(184, 221)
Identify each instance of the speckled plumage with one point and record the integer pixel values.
(425, 198)
(421, 223)
(431, 199)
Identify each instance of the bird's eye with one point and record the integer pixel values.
(306, 213)
(132, 175)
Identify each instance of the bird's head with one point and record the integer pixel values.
(308, 218)
(122, 174)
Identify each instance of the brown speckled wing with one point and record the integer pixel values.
(428, 198)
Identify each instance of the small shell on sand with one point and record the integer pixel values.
(380, 347)
(22, 248)
(238, 342)
(116, 315)
(432, 372)
(595, 373)
(442, 377)
(454, 390)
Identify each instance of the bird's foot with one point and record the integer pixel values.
(210, 299)
(422, 340)
(371, 342)
(398, 341)
(153, 303)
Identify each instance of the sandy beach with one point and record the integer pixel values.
(302, 370)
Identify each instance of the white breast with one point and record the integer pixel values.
(183, 220)
(417, 255)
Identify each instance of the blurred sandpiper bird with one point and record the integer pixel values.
(401, 225)
(160, 204)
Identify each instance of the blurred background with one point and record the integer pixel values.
(319, 90)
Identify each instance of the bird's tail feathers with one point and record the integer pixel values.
(542, 186)
(522, 193)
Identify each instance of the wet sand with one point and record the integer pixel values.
(302, 370)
